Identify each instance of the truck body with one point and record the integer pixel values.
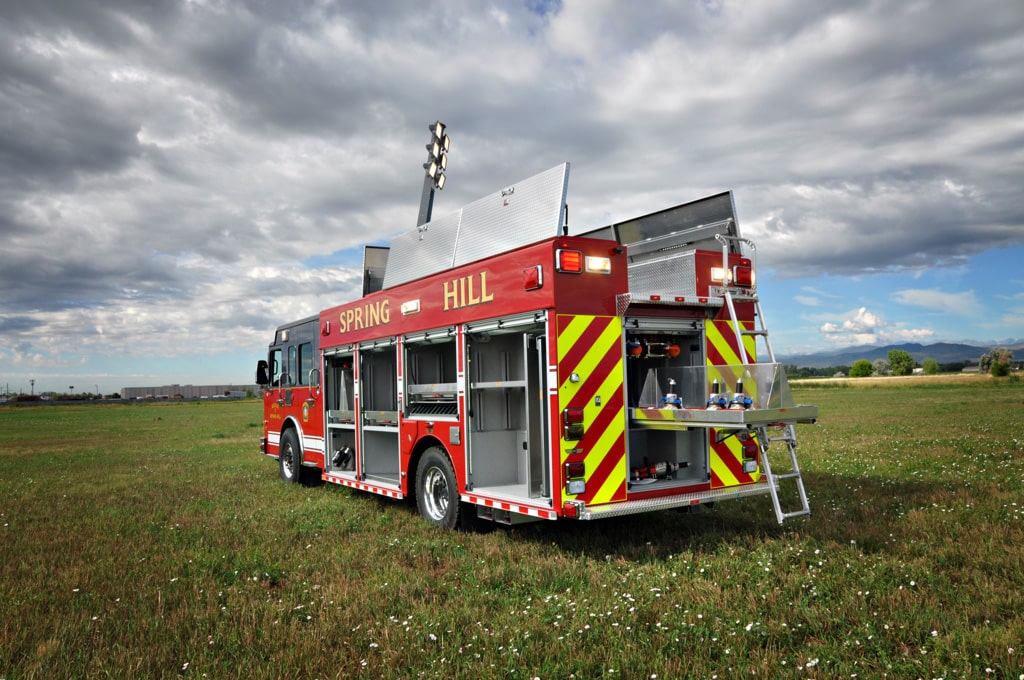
(496, 367)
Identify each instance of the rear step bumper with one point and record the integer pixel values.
(668, 502)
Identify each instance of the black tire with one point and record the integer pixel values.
(290, 458)
(437, 492)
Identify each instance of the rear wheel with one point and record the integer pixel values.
(290, 458)
(437, 493)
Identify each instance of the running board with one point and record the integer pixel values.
(669, 502)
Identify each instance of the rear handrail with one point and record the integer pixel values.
(724, 239)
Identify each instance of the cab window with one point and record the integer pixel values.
(275, 368)
(305, 363)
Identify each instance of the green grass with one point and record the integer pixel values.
(152, 541)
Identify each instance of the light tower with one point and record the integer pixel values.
(435, 167)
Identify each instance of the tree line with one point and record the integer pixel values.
(997, 362)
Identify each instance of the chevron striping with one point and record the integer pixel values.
(591, 347)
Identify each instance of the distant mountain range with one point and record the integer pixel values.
(943, 352)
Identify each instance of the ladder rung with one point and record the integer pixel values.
(787, 475)
(760, 331)
(795, 513)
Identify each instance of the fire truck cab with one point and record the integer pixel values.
(496, 367)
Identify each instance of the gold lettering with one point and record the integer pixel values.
(484, 295)
(360, 318)
(464, 292)
(450, 296)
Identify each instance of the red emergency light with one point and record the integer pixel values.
(743, 274)
(569, 261)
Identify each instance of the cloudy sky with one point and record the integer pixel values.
(179, 177)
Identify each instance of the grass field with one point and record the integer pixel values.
(153, 541)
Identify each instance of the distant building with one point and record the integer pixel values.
(188, 391)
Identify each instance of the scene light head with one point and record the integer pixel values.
(437, 154)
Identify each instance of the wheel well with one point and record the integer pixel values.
(289, 424)
(414, 463)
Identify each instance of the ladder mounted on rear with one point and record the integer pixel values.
(788, 432)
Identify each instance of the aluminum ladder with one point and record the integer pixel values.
(788, 436)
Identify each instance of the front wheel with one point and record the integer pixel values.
(437, 493)
(290, 457)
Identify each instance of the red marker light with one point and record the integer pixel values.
(533, 277)
(569, 261)
(743, 276)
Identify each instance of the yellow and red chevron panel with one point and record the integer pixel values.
(726, 457)
(721, 343)
(590, 347)
(727, 462)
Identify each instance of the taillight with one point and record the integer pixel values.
(750, 451)
(575, 482)
(743, 276)
(572, 424)
(569, 261)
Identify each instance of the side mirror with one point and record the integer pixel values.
(262, 377)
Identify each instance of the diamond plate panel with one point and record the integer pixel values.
(674, 273)
(519, 215)
(524, 213)
(422, 251)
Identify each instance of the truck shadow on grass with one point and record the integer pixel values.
(869, 512)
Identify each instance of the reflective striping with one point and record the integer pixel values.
(612, 471)
(721, 347)
(570, 348)
(362, 486)
(510, 507)
(315, 444)
(727, 465)
(591, 348)
(727, 456)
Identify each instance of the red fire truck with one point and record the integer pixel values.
(496, 367)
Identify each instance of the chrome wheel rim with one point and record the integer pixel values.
(287, 458)
(435, 496)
